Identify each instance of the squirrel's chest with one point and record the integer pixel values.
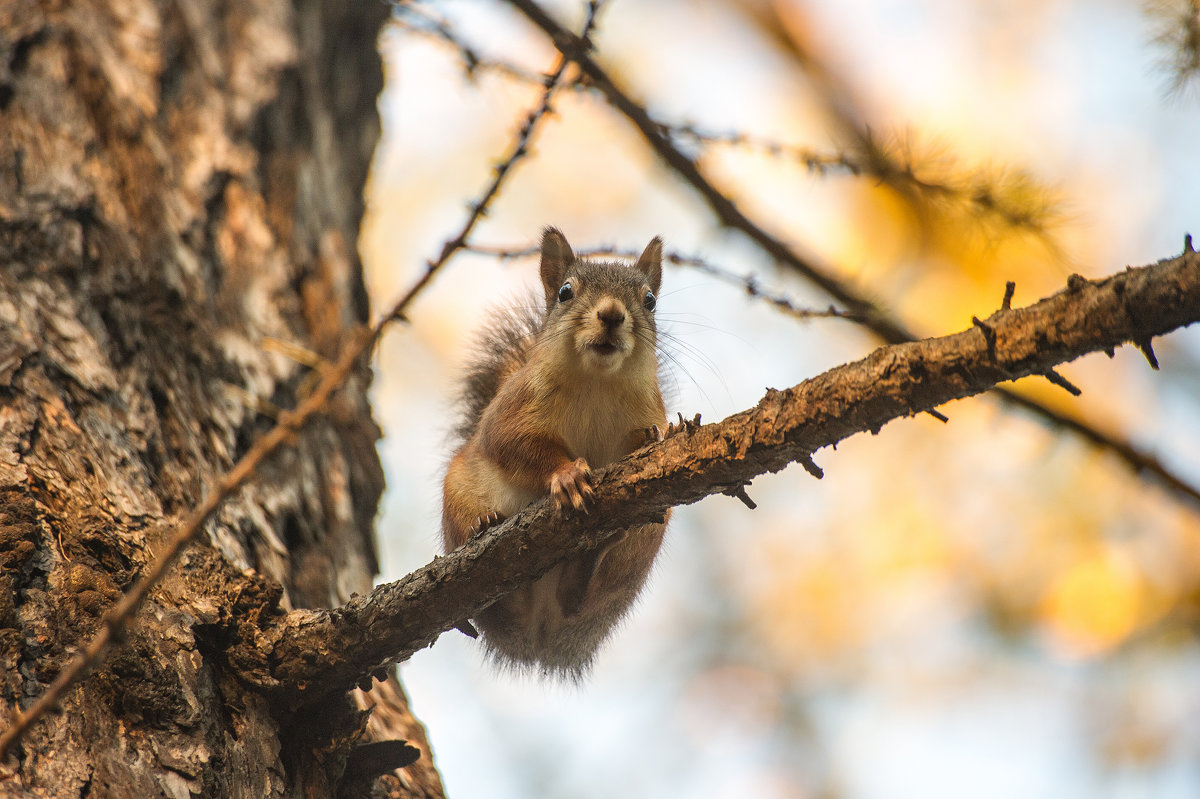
(597, 425)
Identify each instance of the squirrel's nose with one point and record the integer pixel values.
(611, 316)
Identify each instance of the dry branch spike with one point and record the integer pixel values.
(884, 325)
(1010, 288)
(1076, 282)
(333, 648)
(1148, 350)
(811, 466)
(989, 335)
(739, 492)
(1062, 382)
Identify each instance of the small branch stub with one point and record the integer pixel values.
(1062, 382)
(1009, 289)
(1148, 350)
(739, 492)
(810, 465)
(989, 335)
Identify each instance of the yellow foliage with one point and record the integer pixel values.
(1097, 602)
(809, 613)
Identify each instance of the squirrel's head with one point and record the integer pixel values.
(603, 311)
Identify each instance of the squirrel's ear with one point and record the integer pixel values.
(650, 263)
(556, 257)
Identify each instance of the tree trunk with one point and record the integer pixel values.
(180, 194)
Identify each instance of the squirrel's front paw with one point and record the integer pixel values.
(571, 484)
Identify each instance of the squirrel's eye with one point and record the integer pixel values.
(649, 301)
(566, 292)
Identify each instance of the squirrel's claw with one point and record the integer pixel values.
(489, 519)
(683, 426)
(571, 484)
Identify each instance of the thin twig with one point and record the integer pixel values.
(418, 21)
(518, 151)
(1009, 199)
(288, 424)
(886, 326)
(748, 283)
(1006, 198)
(811, 159)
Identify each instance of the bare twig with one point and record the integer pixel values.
(1013, 197)
(886, 326)
(520, 149)
(811, 159)
(288, 424)
(1007, 198)
(722, 207)
(419, 21)
(315, 652)
(1004, 197)
(749, 283)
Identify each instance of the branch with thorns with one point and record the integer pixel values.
(307, 655)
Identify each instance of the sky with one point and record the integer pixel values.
(982, 608)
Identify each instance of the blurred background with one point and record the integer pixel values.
(989, 607)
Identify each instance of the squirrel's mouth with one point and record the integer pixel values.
(604, 347)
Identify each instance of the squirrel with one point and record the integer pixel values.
(553, 395)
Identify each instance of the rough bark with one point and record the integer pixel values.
(309, 653)
(180, 185)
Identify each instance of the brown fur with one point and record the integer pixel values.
(554, 401)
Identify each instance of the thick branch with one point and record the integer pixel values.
(329, 650)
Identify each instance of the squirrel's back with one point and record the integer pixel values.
(502, 347)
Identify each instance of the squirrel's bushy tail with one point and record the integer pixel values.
(502, 348)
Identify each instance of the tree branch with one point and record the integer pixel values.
(876, 319)
(313, 652)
